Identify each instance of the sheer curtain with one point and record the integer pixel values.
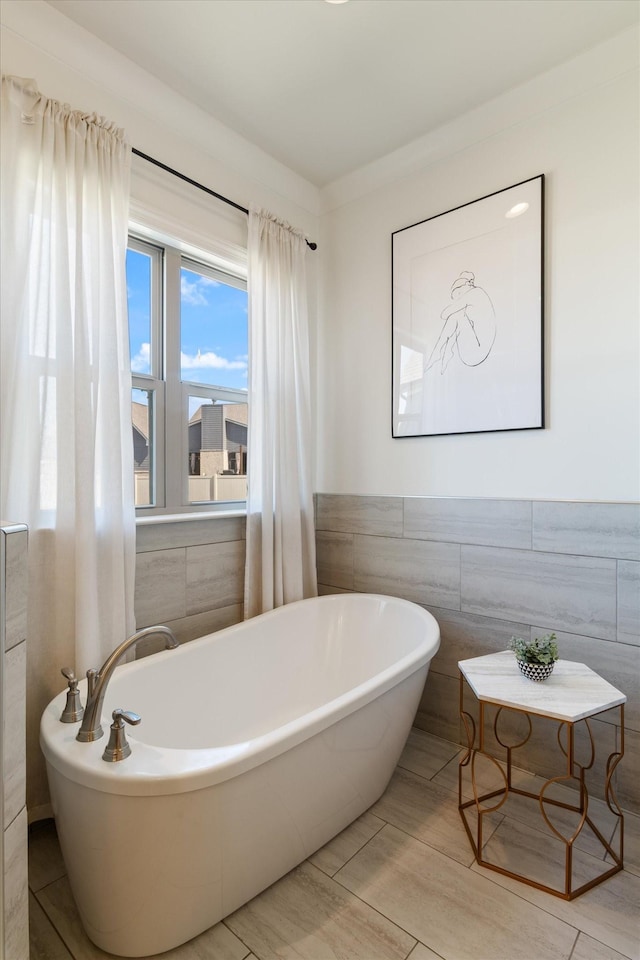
(281, 561)
(66, 455)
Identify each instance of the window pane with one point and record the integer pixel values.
(217, 450)
(142, 424)
(139, 304)
(213, 331)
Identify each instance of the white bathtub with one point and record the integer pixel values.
(258, 744)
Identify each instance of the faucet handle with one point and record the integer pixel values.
(128, 715)
(73, 710)
(118, 747)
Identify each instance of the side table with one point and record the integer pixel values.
(571, 695)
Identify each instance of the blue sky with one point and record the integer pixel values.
(213, 326)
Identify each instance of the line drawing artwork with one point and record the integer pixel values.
(467, 313)
(469, 328)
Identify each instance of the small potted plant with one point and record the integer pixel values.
(535, 658)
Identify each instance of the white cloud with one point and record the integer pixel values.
(210, 360)
(141, 363)
(193, 292)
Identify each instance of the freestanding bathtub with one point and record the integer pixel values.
(258, 744)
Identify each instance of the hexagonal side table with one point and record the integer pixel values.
(572, 695)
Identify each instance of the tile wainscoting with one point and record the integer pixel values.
(14, 923)
(486, 569)
(189, 576)
(489, 569)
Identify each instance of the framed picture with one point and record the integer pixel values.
(467, 317)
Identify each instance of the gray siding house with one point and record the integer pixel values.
(218, 439)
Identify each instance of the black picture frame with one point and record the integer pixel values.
(468, 317)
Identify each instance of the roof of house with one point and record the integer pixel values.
(140, 418)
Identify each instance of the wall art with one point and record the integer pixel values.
(467, 317)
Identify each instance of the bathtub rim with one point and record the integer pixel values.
(159, 771)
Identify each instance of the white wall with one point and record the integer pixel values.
(71, 65)
(579, 126)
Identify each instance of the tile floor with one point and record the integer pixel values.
(398, 884)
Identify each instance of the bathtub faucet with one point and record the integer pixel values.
(98, 680)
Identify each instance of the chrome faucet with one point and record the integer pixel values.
(98, 680)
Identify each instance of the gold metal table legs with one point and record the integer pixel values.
(482, 805)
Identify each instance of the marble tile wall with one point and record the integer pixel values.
(13, 648)
(489, 569)
(189, 576)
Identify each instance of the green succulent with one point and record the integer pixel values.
(541, 650)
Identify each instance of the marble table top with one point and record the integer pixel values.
(571, 693)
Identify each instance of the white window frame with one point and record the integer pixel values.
(169, 479)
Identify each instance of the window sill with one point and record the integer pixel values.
(187, 517)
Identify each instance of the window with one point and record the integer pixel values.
(188, 343)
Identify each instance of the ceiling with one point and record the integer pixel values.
(326, 88)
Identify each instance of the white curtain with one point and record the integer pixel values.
(66, 448)
(281, 560)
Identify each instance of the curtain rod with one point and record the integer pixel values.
(200, 186)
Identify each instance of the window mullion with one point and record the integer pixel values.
(157, 312)
(175, 470)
